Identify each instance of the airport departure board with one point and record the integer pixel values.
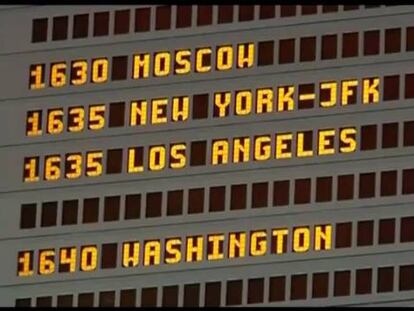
(207, 155)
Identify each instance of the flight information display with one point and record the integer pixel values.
(207, 155)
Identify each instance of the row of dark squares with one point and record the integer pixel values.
(201, 102)
(275, 287)
(217, 198)
(372, 45)
(163, 19)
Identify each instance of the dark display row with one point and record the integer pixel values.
(275, 288)
(209, 200)
(163, 19)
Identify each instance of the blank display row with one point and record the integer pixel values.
(236, 197)
(273, 289)
(143, 20)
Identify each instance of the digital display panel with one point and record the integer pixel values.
(208, 155)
